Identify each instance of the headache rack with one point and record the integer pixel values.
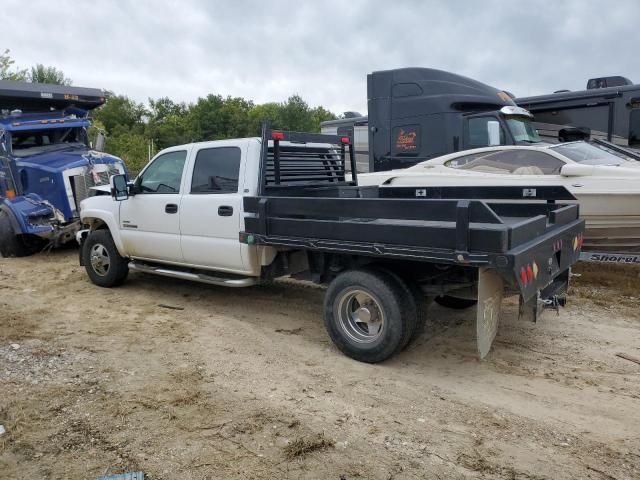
(306, 160)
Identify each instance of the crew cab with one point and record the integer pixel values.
(240, 212)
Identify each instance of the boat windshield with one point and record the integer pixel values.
(590, 154)
(522, 130)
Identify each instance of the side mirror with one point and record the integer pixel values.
(493, 132)
(100, 140)
(119, 187)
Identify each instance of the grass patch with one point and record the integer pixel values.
(305, 445)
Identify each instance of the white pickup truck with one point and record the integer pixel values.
(239, 212)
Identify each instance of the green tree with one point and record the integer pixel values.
(131, 127)
(120, 110)
(269, 112)
(6, 66)
(320, 114)
(41, 74)
(130, 146)
(215, 117)
(167, 124)
(123, 121)
(296, 115)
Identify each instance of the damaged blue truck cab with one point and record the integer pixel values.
(47, 166)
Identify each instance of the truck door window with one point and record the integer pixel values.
(216, 170)
(478, 132)
(164, 174)
(634, 127)
(516, 162)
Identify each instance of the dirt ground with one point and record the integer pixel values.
(246, 384)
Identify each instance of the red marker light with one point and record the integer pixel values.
(523, 276)
(277, 135)
(345, 140)
(529, 273)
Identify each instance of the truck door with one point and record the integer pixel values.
(149, 220)
(211, 213)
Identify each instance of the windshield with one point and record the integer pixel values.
(33, 142)
(590, 154)
(522, 130)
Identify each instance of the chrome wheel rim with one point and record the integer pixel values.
(360, 316)
(100, 260)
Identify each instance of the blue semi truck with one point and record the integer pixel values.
(47, 164)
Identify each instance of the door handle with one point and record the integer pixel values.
(225, 211)
(171, 208)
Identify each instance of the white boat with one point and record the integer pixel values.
(606, 183)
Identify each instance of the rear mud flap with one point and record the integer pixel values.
(490, 290)
(530, 311)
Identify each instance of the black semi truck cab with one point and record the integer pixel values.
(416, 114)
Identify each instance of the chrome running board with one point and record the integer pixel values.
(196, 277)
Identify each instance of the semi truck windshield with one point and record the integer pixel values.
(522, 130)
(32, 142)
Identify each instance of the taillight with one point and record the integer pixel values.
(578, 241)
(528, 273)
(11, 193)
(345, 140)
(523, 276)
(277, 135)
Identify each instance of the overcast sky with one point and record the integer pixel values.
(322, 50)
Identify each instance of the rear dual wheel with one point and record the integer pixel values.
(371, 314)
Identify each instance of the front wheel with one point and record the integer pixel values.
(12, 244)
(367, 315)
(104, 265)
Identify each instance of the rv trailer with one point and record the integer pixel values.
(608, 110)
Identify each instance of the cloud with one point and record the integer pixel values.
(267, 51)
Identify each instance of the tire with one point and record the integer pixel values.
(422, 307)
(455, 302)
(368, 315)
(11, 243)
(104, 265)
(411, 307)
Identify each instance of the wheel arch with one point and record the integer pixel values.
(12, 218)
(103, 220)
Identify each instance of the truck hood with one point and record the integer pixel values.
(60, 160)
(60, 179)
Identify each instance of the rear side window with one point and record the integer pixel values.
(216, 170)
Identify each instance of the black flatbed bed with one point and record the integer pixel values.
(446, 225)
